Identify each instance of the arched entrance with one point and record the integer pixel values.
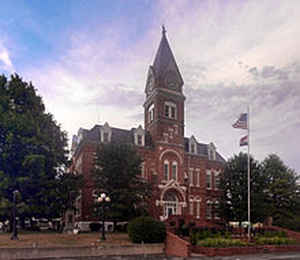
(171, 204)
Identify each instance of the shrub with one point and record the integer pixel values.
(95, 227)
(273, 241)
(221, 242)
(147, 230)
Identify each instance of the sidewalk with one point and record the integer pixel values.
(273, 256)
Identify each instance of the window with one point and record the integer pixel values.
(191, 207)
(216, 210)
(166, 170)
(208, 179)
(139, 140)
(170, 110)
(143, 170)
(208, 209)
(217, 180)
(198, 178)
(151, 113)
(105, 137)
(198, 207)
(174, 170)
(167, 108)
(192, 148)
(191, 177)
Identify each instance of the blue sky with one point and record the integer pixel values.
(89, 61)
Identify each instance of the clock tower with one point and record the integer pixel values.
(164, 105)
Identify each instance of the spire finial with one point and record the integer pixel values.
(163, 30)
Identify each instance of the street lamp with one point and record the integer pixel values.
(103, 200)
(14, 235)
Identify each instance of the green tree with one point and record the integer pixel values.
(33, 151)
(118, 173)
(234, 186)
(281, 191)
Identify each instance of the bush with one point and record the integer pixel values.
(95, 227)
(147, 230)
(221, 242)
(273, 241)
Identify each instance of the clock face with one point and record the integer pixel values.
(171, 80)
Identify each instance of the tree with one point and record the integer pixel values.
(282, 191)
(234, 186)
(33, 151)
(118, 173)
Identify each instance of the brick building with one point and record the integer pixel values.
(184, 172)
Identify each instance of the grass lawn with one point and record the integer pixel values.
(40, 239)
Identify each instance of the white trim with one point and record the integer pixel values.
(171, 151)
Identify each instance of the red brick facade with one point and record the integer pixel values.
(183, 171)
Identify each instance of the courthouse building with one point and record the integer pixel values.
(184, 172)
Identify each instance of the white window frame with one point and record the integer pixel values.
(191, 177)
(143, 170)
(174, 164)
(191, 206)
(209, 209)
(166, 173)
(168, 110)
(208, 179)
(151, 113)
(217, 177)
(198, 177)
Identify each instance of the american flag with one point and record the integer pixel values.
(244, 141)
(241, 122)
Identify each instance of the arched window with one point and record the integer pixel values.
(170, 110)
(174, 170)
(166, 170)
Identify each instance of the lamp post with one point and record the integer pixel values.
(14, 235)
(102, 200)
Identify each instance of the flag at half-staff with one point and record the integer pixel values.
(242, 122)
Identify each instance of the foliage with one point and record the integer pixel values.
(273, 241)
(203, 233)
(221, 242)
(95, 227)
(33, 152)
(265, 232)
(282, 193)
(118, 173)
(234, 199)
(147, 230)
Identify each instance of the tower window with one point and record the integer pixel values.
(170, 110)
(151, 113)
(192, 148)
(166, 170)
(174, 170)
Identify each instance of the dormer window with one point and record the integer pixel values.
(192, 148)
(170, 110)
(193, 145)
(139, 140)
(211, 152)
(105, 137)
(105, 133)
(139, 136)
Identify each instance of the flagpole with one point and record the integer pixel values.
(249, 215)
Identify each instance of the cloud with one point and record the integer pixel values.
(230, 54)
(5, 60)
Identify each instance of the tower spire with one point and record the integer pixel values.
(163, 30)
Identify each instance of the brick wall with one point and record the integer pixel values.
(175, 246)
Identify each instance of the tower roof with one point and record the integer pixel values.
(164, 58)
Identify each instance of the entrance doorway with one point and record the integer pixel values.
(170, 204)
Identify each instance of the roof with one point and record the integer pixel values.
(123, 136)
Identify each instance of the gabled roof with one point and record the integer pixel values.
(202, 150)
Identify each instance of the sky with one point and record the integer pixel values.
(89, 60)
